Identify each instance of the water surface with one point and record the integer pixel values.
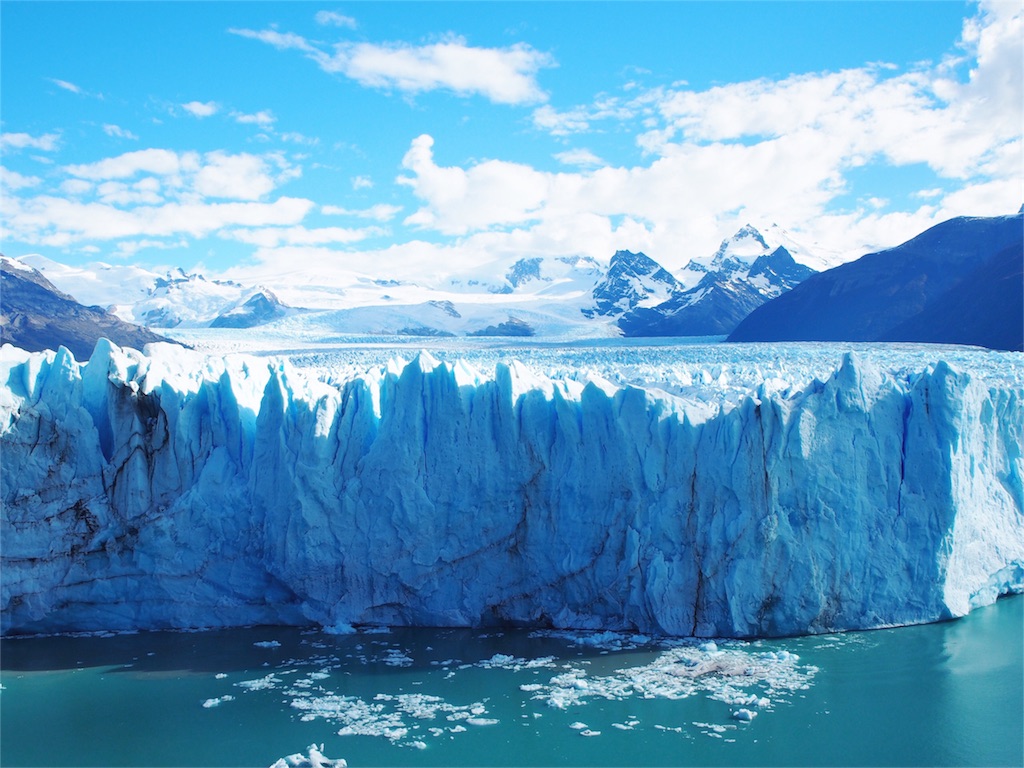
(942, 694)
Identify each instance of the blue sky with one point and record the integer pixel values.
(422, 139)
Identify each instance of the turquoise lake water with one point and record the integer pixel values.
(944, 694)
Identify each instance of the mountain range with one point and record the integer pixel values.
(36, 316)
(958, 282)
(567, 296)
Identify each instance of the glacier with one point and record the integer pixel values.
(173, 489)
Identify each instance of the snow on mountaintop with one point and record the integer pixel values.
(15, 265)
(97, 284)
(739, 252)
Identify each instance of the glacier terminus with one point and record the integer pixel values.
(171, 489)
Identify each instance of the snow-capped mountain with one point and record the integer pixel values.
(958, 282)
(534, 295)
(169, 300)
(190, 300)
(35, 315)
(633, 280)
(711, 296)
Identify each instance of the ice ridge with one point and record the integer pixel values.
(169, 489)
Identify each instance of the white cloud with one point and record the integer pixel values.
(143, 192)
(379, 212)
(201, 109)
(59, 222)
(240, 177)
(162, 162)
(76, 187)
(580, 157)
(297, 138)
(491, 193)
(263, 118)
(13, 180)
(273, 237)
(503, 75)
(126, 249)
(362, 182)
(48, 142)
(558, 123)
(118, 132)
(65, 85)
(334, 19)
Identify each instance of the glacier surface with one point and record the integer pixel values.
(175, 489)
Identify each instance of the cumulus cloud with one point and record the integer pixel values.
(48, 142)
(154, 193)
(162, 162)
(240, 177)
(579, 157)
(13, 180)
(263, 118)
(201, 109)
(503, 75)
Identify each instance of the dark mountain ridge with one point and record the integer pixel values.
(34, 315)
(957, 282)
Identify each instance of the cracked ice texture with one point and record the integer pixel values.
(175, 490)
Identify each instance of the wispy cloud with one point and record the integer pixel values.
(66, 85)
(379, 212)
(334, 19)
(503, 75)
(201, 109)
(273, 237)
(118, 132)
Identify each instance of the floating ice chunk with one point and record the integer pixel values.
(218, 701)
(260, 684)
(588, 732)
(482, 721)
(268, 644)
(744, 714)
(339, 628)
(314, 759)
(578, 726)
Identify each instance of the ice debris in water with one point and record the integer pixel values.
(268, 644)
(724, 675)
(314, 759)
(218, 701)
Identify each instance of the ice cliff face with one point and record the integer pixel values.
(177, 491)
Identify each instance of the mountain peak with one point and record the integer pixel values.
(633, 279)
(746, 245)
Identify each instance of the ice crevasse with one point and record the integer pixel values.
(172, 490)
